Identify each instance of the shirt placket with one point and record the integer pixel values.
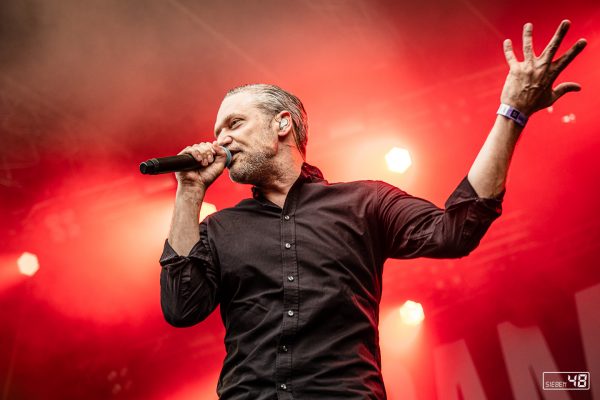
(290, 298)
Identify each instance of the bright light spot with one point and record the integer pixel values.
(412, 313)
(550, 109)
(568, 118)
(398, 160)
(400, 327)
(206, 210)
(28, 264)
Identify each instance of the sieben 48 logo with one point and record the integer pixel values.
(566, 380)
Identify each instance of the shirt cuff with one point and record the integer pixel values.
(170, 256)
(465, 192)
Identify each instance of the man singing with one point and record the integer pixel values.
(297, 268)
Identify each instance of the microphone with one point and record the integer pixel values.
(183, 162)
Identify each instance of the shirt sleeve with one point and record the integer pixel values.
(189, 285)
(413, 227)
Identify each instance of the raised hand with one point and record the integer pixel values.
(528, 86)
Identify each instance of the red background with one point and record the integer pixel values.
(90, 89)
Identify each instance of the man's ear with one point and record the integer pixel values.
(284, 123)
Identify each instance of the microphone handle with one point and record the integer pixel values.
(163, 165)
(183, 162)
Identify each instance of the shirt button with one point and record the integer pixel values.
(290, 278)
(288, 246)
(287, 217)
(283, 386)
(284, 348)
(291, 313)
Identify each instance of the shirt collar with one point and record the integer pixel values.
(311, 173)
(308, 173)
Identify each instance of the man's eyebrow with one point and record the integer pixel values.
(226, 122)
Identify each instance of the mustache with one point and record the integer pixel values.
(232, 150)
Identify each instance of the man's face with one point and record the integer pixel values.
(246, 131)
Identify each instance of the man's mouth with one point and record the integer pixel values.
(233, 154)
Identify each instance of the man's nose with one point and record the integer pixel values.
(224, 140)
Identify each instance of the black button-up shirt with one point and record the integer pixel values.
(299, 287)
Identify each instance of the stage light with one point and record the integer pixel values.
(28, 264)
(400, 328)
(398, 160)
(206, 210)
(412, 313)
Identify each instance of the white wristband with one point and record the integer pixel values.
(512, 113)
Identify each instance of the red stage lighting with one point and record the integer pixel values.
(412, 313)
(398, 160)
(400, 328)
(28, 264)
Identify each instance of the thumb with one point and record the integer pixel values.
(220, 152)
(564, 88)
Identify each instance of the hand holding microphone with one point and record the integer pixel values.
(196, 165)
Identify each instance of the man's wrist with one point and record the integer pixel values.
(513, 114)
(191, 192)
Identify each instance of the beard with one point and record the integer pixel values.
(256, 167)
